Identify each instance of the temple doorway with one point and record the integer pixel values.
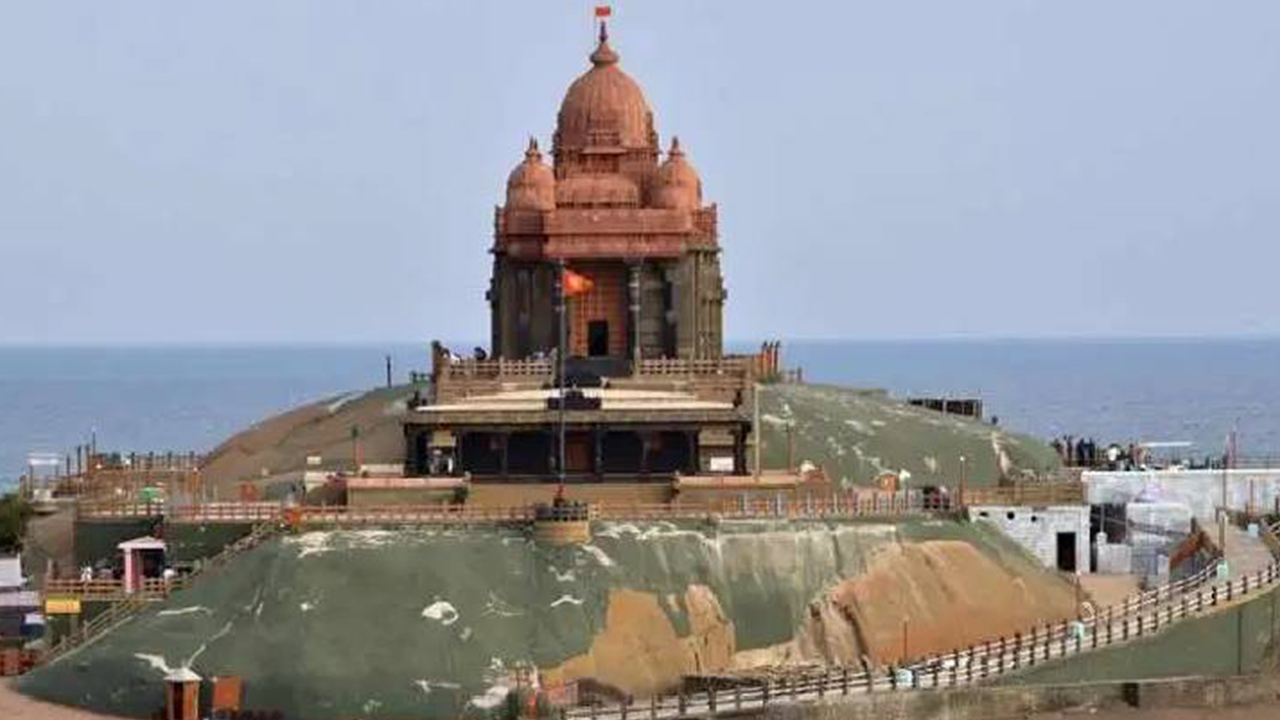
(598, 338)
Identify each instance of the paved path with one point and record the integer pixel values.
(1245, 554)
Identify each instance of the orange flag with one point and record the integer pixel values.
(575, 284)
(603, 11)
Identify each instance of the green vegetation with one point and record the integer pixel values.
(14, 513)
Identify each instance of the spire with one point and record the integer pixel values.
(675, 150)
(532, 153)
(604, 55)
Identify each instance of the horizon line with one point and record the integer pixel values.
(815, 340)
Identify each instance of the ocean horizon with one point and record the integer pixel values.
(156, 397)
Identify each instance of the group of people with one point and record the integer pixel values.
(1086, 453)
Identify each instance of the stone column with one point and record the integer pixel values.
(646, 444)
(695, 462)
(634, 271)
(597, 435)
(504, 440)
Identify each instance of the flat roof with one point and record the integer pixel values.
(529, 406)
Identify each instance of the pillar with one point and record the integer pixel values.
(695, 462)
(130, 560)
(597, 436)
(504, 442)
(553, 448)
(182, 695)
(646, 445)
(633, 284)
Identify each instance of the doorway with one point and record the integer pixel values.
(598, 338)
(1067, 552)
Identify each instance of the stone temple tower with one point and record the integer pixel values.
(611, 209)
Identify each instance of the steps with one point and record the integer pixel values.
(120, 612)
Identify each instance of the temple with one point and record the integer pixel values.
(653, 397)
(607, 209)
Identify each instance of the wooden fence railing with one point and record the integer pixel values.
(843, 504)
(130, 604)
(1027, 493)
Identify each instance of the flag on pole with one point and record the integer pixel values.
(575, 284)
(604, 11)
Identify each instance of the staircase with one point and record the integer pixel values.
(120, 612)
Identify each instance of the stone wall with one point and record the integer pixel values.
(1037, 528)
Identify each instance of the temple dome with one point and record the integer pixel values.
(605, 107)
(677, 185)
(532, 185)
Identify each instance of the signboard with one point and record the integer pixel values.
(721, 463)
(62, 606)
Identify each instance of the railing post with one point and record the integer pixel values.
(711, 701)
(737, 697)
(681, 703)
(764, 694)
(844, 681)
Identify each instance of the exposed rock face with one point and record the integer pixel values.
(417, 623)
(639, 651)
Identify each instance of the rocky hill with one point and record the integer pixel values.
(442, 624)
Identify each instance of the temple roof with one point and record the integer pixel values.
(605, 107)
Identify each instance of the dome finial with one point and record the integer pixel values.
(604, 55)
(675, 150)
(532, 152)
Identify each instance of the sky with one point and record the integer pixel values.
(326, 171)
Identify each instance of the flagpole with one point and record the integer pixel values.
(560, 297)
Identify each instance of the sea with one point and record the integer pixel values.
(190, 398)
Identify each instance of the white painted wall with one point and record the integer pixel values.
(1037, 528)
(1200, 490)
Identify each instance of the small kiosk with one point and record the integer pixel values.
(143, 559)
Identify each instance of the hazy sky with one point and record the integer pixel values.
(315, 170)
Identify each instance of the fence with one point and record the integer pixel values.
(128, 605)
(836, 505)
(1027, 493)
(1139, 616)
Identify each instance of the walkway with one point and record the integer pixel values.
(1141, 616)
